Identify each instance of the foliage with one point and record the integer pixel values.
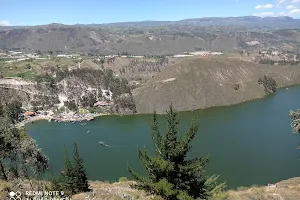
(80, 176)
(295, 117)
(88, 100)
(73, 178)
(71, 105)
(125, 101)
(280, 62)
(170, 175)
(20, 157)
(148, 66)
(44, 78)
(269, 84)
(66, 179)
(14, 110)
(96, 109)
(123, 179)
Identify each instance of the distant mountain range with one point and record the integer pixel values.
(212, 21)
(156, 37)
(279, 22)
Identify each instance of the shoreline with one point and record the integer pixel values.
(69, 118)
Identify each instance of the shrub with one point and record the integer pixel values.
(269, 84)
(123, 179)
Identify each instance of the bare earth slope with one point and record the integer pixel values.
(196, 83)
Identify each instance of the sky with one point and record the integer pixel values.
(38, 12)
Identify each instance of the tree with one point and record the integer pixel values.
(14, 110)
(20, 157)
(295, 125)
(67, 178)
(80, 176)
(295, 117)
(269, 84)
(71, 105)
(170, 175)
(73, 178)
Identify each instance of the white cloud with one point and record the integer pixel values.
(264, 14)
(281, 14)
(290, 7)
(264, 6)
(281, 1)
(294, 11)
(295, 1)
(4, 23)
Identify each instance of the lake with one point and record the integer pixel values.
(250, 143)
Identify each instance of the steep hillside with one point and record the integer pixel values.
(196, 83)
(140, 40)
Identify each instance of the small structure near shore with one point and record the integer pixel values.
(102, 103)
(29, 114)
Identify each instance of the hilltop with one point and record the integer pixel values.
(202, 82)
(157, 38)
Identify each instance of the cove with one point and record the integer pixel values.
(250, 143)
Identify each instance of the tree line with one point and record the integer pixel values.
(20, 157)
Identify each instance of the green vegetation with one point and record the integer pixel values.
(280, 62)
(170, 175)
(32, 69)
(73, 178)
(123, 179)
(20, 157)
(295, 117)
(71, 105)
(269, 84)
(14, 110)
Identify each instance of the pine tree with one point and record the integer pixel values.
(80, 176)
(170, 175)
(67, 178)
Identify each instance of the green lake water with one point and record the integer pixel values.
(250, 143)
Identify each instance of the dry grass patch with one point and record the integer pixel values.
(285, 190)
(112, 191)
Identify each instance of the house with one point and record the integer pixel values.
(29, 114)
(102, 103)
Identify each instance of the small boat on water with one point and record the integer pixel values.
(104, 144)
(88, 131)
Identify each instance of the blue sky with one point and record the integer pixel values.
(35, 12)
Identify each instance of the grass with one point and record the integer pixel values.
(83, 111)
(29, 69)
(287, 190)
(5, 187)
